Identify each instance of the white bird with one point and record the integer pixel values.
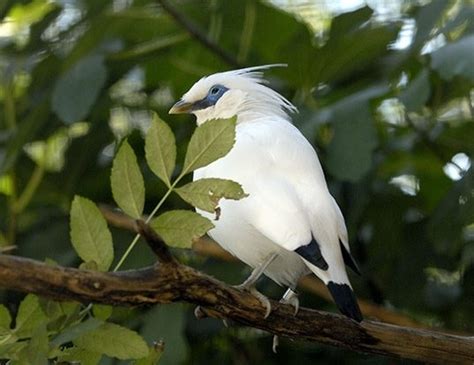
(289, 225)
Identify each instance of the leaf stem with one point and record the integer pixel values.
(30, 188)
(11, 231)
(150, 217)
(10, 114)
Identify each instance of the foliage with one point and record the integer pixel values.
(391, 116)
(86, 336)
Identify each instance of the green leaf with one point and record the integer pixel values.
(77, 89)
(127, 183)
(29, 316)
(417, 92)
(210, 141)
(455, 59)
(11, 350)
(89, 233)
(102, 311)
(350, 21)
(114, 341)
(38, 347)
(80, 356)
(206, 193)
(156, 350)
(426, 19)
(453, 213)
(5, 319)
(60, 314)
(73, 332)
(160, 149)
(179, 228)
(168, 322)
(352, 54)
(349, 155)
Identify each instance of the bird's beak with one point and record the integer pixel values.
(181, 107)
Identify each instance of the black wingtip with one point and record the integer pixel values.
(345, 300)
(348, 259)
(312, 253)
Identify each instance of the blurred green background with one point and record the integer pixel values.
(385, 92)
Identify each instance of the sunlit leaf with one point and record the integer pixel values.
(206, 193)
(154, 355)
(29, 316)
(80, 356)
(114, 341)
(38, 347)
(6, 185)
(127, 183)
(160, 149)
(5, 319)
(179, 228)
(89, 233)
(102, 311)
(210, 141)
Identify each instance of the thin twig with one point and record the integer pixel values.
(428, 142)
(155, 242)
(198, 34)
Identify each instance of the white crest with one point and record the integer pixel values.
(248, 97)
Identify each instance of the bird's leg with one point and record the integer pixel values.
(290, 297)
(249, 283)
(256, 273)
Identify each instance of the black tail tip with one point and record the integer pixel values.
(345, 300)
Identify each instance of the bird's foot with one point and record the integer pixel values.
(291, 297)
(262, 298)
(199, 313)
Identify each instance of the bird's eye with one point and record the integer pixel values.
(214, 90)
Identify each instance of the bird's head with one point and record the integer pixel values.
(238, 92)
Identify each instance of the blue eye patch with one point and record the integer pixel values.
(214, 94)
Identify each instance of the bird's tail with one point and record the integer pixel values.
(338, 284)
(345, 300)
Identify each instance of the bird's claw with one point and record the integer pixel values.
(290, 297)
(262, 298)
(275, 344)
(199, 313)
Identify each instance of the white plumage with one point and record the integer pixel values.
(289, 221)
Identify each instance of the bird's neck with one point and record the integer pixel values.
(247, 116)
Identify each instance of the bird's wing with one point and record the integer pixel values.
(343, 239)
(289, 201)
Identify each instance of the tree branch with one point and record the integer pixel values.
(166, 283)
(197, 33)
(207, 247)
(156, 243)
